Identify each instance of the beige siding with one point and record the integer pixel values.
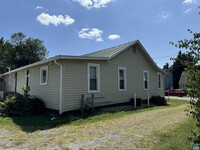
(21, 80)
(10, 82)
(75, 80)
(49, 93)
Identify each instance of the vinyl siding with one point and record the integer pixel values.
(75, 80)
(49, 93)
(10, 87)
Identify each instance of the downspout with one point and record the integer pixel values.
(61, 87)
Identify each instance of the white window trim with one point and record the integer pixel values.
(26, 78)
(98, 77)
(145, 71)
(125, 79)
(160, 80)
(44, 68)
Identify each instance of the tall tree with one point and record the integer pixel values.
(193, 67)
(178, 67)
(16, 52)
(166, 66)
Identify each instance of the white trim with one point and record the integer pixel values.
(26, 77)
(98, 77)
(160, 80)
(44, 68)
(145, 71)
(125, 79)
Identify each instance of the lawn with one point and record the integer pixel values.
(152, 128)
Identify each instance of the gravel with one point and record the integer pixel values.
(134, 131)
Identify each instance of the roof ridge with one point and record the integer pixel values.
(107, 48)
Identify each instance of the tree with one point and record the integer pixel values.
(178, 67)
(166, 66)
(193, 67)
(16, 52)
(5, 48)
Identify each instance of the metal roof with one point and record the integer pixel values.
(106, 54)
(110, 52)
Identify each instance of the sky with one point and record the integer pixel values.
(76, 27)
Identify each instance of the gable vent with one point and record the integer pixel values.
(134, 50)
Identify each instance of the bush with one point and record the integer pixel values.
(158, 100)
(18, 105)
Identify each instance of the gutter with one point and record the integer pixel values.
(61, 87)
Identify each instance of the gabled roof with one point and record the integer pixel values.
(105, 54)
(111, 52)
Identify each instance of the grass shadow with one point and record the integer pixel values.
(47, 121)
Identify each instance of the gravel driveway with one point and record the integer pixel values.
(134, 131)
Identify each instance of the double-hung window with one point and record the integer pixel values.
(159, 78)
(122, 79)
(93, 78)
(146, 80)
(44, 75)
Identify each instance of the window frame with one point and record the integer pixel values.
(97, 66)
(125, 79)
(159, 84)
(47, 76)
(27, 76)
(145, 71)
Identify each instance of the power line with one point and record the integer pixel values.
(160, 57)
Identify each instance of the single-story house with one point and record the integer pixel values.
(183, 80)
(116, 74)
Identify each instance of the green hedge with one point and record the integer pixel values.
(17, 105)
(158, 100)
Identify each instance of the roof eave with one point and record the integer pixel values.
(59, 57)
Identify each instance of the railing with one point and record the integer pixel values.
(88, 103)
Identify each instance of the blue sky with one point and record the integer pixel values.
(75, 27)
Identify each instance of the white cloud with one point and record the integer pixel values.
(93, 3)
(187, 11)
(189, 1)
(93, 33)
(47, 19)
(113, 36)
(163, 15)
(39, 7)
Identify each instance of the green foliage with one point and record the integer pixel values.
(16, 52)
(158, 100)
(17, 105)
(178, 67)
(193, 67)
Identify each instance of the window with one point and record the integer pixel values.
(43, 75)
(93, 78)
(27, 78)
(146, 80)
(159, 80)
(122, 79)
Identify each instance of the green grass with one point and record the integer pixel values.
(177, 139)
(42, 122)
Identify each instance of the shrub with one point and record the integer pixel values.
(35, 106)
(18, 105)
(158, 100)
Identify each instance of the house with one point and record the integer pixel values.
(168, 79)
(116, 74)
(183, 80)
